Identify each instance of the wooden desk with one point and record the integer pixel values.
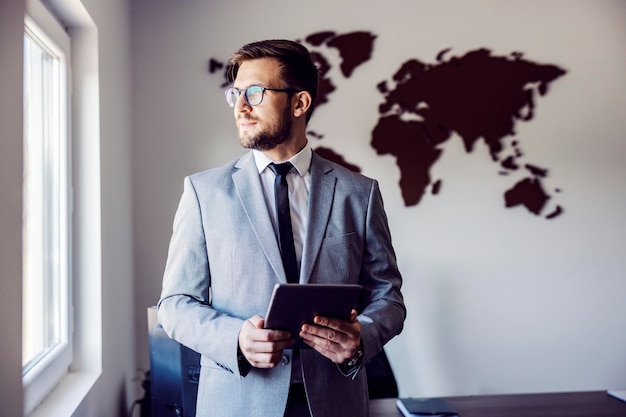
(572, 404)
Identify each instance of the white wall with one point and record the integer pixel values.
(498, 300)
(11, 41)
(117, 387)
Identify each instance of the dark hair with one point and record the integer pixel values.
(298, 68)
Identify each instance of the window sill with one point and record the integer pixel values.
(67, 395)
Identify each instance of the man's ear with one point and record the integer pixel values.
(302, 103)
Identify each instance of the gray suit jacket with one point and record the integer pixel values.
(223, 263)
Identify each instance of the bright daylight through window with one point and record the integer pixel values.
(46, 301)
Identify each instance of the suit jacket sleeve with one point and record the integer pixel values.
(184, 310)
(383, 311)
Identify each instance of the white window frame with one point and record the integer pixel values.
(42, 375)
(73, 390)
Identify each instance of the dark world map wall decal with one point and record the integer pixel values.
(477, 96)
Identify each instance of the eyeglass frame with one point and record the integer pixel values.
(245, 95)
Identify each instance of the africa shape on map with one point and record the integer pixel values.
(477, 96)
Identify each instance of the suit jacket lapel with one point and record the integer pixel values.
(321, 192)
(248, 185)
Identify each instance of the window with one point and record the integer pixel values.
(46, 299)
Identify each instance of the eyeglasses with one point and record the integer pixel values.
(253, 95)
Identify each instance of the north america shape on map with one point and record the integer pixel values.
(477, 96)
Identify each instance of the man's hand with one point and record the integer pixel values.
(336, 339)
(261, 347)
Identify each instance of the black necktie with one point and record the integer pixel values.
(285, 231)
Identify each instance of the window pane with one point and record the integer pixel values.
(44, 237)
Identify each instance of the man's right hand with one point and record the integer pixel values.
(262, 348)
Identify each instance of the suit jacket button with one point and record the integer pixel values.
(284, 360)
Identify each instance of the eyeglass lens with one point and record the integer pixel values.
(253, 95)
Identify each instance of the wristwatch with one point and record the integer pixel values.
(356, 358)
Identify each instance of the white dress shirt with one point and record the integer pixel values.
(298, 181)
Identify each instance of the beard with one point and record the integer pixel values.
(271, 137)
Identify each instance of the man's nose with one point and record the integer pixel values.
(241, 105)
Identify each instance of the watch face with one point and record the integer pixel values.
(357, 355)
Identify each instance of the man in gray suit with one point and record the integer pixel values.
(225, 256)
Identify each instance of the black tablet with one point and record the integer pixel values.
(293, 305)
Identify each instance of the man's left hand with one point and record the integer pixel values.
(336, 339)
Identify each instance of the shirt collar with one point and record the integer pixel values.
(301, 160)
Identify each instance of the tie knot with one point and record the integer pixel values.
(281, 169)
